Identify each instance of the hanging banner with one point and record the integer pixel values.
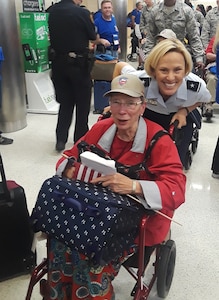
(33, 5)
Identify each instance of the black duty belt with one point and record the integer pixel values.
(75, 55)
(71, 54)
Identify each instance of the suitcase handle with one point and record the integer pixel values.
(6, 192)
(4, 182)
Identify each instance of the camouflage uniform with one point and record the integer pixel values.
(199, 18)
(209, 26)
(144, 18)
(180, 18)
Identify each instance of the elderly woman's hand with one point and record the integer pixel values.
(119, 183)
(69, 172)
(106, 110)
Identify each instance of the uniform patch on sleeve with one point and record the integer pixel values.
(193, 85)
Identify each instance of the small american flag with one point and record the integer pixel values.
(84, 173)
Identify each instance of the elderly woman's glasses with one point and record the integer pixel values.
(128, 105)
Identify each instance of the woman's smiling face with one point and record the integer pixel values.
(169, 73)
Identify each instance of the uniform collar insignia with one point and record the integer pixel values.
(152, 101)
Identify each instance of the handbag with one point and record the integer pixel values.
(88, 218)
(103, 70)
(213, 70)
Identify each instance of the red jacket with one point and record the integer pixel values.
(166, 190)
(209, 49)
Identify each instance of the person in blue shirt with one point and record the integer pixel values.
(136, 13)
(136, 16)
(107, 31)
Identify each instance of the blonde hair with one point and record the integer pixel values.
(216, 40)
(162, 48)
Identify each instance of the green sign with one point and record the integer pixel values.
(34, 34)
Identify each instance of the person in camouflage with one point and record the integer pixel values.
(210, 25)
(179, 17)
(200, 19)
(198, 15)
(211, 74)
(145, 15)
(143, 30)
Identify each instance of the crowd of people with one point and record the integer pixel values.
(171, 95)
(195, 26)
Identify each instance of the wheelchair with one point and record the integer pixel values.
(163, 264)
(186, 138)
(206, 108)
(189, 142)
(163, 268)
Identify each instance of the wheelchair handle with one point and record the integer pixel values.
(175, 132)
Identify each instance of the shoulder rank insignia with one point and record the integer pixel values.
(146, 81)
(193, 85)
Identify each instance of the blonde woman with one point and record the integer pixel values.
(171, 90)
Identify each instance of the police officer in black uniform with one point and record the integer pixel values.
(71, 29)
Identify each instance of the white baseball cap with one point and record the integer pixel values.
(127, 84)
(167, 34)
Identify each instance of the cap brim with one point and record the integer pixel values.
(160, 35)
(126, 92)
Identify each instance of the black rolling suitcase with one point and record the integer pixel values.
(16, 257)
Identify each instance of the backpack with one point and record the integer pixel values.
(129, 20)
(90, 218)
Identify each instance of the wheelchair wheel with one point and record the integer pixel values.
(165, 268)
(188, 160)
(129, 56)
(195, 141)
